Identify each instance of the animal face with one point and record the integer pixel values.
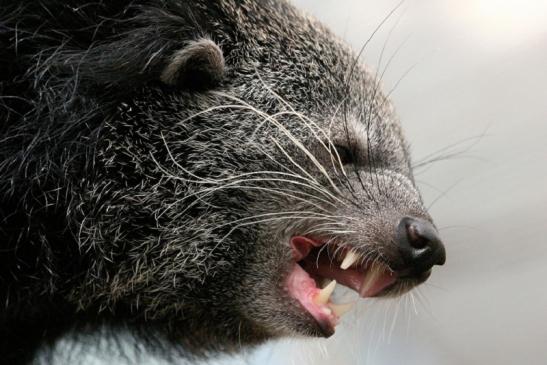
(291, 171)
(251, 165)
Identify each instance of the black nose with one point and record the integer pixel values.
(419, 245)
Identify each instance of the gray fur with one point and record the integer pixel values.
(130, 203)
(201, 59)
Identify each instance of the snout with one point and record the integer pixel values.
(419, 246)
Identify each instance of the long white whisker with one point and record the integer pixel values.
(262, 221)
(307, 120)
(290, 136)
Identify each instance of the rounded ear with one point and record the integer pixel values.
(197, 66)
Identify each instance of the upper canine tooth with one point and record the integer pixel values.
(349, 260)
(341, 309)
(324, 294)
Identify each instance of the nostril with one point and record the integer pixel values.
(419, 244)
(415, 237)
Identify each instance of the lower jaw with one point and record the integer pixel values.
(303, 287)
(308, 290)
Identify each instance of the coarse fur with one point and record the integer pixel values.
(134, 199)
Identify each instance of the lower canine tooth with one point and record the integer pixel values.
(349, 260)
(324, 294)
(340, 309)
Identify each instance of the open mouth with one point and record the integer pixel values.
(320, 266)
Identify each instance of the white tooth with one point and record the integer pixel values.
(341, 309)
(370, 278)
(349, 260)
(326, 310)
(323, 296)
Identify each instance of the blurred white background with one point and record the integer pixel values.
(477, 86)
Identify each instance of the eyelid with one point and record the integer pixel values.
(344, 153)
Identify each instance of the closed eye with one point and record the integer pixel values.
(345, 154)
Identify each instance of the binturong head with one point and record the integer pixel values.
(290, 173)
(240, 162)
(286, 168)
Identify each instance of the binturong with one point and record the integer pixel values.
(194, 172)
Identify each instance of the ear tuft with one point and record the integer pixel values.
(197, 66)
